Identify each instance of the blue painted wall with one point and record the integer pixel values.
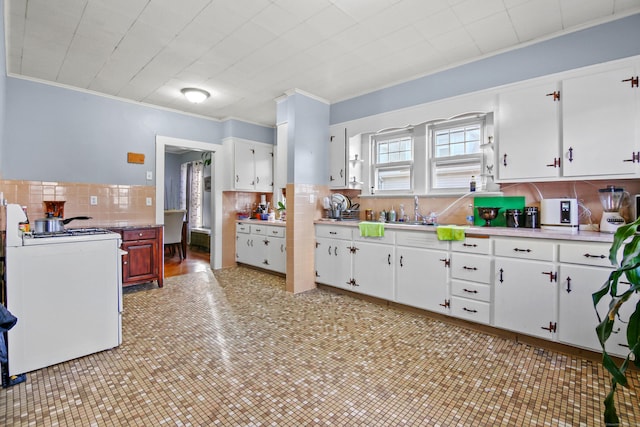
(307, 140)
(613, 40)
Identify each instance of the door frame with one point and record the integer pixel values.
(215, 254)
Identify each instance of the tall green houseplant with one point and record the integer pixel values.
(620, 287)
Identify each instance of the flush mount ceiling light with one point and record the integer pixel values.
(195, 95)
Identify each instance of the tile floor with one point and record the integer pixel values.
(234, 349)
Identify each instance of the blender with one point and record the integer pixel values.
(611, 198)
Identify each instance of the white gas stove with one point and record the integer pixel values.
(73, 276)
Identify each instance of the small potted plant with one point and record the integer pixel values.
(282, 210)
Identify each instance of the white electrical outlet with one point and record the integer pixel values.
(149, 175)
(93, 200)
(149, 201)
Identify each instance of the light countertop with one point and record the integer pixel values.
(588, 236)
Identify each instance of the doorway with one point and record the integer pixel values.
(164, 144)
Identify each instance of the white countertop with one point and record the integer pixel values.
(588, 236)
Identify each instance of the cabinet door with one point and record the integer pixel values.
(373, 265)
(529, 133)
(140, 261)
(257, 250)
(333, 262)
(525, 297)
(263, 157)
(243, 247)
(421, 278)
(244, 166)
(338, 159)
(599, 124)
(277, 254)
(577, 319)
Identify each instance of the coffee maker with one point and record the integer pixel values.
(611, 198)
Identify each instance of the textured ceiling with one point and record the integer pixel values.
(249, 52)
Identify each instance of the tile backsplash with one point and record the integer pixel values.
(117, 205)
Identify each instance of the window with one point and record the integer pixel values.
(455, 153)
(393, 162)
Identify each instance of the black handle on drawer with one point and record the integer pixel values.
(521, 250)
(469, 310)
(469, 268)
(471, 291)
(595, 256)
(469, 245)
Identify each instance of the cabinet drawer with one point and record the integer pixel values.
(595, 254)
(471, 290)
(259, 229)
(420, 239)
(525, 248)
(275, 231)
(476, 268)
(243, 228)
(476, 311)
(474, 245)
(139, 234)
(334, 232)
(389, 237)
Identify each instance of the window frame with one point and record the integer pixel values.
(460, 159)
(375, 167)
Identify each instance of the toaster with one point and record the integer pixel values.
(559, 215)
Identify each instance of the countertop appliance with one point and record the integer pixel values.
(559, 215)
(611, 198)
(66, 291)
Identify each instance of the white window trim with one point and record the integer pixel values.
(374, 166)
(432, 160)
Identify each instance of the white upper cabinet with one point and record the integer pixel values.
(529, 133)
(252, 165)
(599, 115)
(346, 161)
(584, 124)
(338, 158)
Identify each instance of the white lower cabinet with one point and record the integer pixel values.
(422, 271)
(261, 246)
(276, 251)
(534, 286)
(584, 268)
(373, 265)
(333, 256)
(471, 274)
(526, 290)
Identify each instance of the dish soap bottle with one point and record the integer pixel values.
(401, 218)
(470, 216)
(392, 215)
(472, 184)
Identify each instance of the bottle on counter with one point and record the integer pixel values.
(401, 215)
(470, 216)
(392, 215)
(382, 217)
(472, 184)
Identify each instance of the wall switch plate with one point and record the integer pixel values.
(149, 201)
(149, 175)
(93, 200)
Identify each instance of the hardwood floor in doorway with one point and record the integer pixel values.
(197, 260)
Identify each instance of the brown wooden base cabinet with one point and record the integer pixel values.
(144, 258)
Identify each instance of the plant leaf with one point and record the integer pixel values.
(622, 234)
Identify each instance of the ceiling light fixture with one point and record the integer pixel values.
(195, 95)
